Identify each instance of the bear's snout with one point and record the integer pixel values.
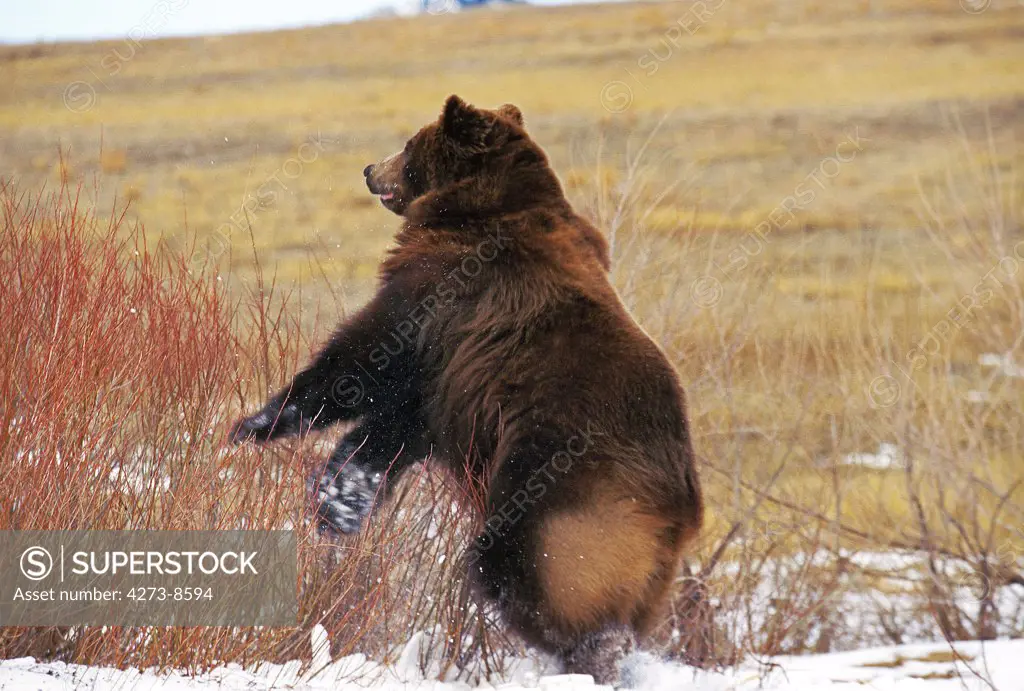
(370, 182)
(376, 187)
(384, 179)
(368, 174)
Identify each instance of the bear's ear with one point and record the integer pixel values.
(510, 112)
(464, 124)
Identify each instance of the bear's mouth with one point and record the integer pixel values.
(390, 200)
(388, 194)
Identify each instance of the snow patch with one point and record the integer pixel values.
(888, 457)
(970, 666)
(1003, 364)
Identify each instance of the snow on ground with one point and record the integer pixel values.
(889, 457)
(924, 667)
(1003, 364)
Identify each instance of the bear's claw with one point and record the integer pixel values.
(265, 425)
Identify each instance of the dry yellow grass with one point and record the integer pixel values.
(753, 100)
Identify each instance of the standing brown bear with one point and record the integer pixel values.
(496, 342)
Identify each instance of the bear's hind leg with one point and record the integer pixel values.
(589, 632)
(603, 566)
(580, 577)
(600, 654)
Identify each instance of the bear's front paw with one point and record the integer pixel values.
(265, 425)
(343, 496)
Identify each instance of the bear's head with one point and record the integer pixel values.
(469, 159)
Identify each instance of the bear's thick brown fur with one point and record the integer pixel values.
(496, 341)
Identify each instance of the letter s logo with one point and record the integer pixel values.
(36, 563)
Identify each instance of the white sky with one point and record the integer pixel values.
(26, 21)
